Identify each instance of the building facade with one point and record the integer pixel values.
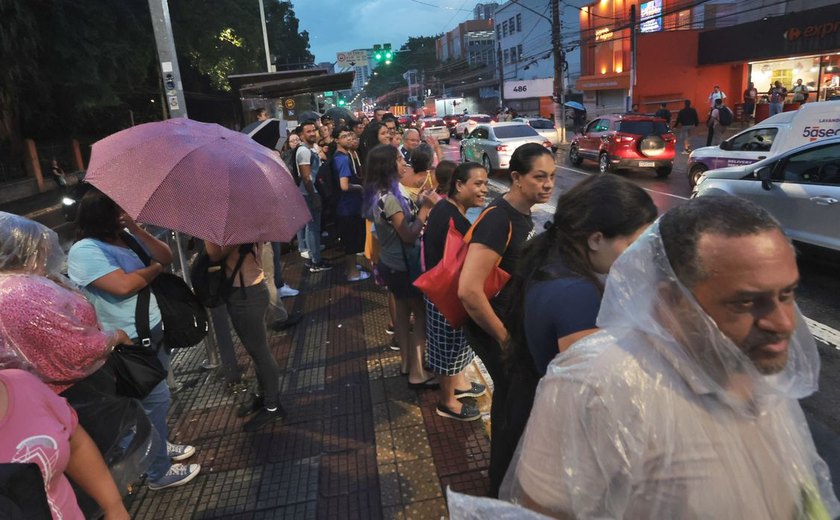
(471, 41)
(523, 35)
(484, 11)
(684, 50)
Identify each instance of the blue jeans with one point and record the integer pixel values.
(278, 264)
(301, 239)
(313, 232)
(156, 405)
(776, 108)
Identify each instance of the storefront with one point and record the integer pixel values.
(797, 46)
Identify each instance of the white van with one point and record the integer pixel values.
(774, 135)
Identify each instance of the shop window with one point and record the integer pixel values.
(759, 140)
(783, 75)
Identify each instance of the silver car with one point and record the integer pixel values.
(800, 187)
(435, 127)
(493, 144)
(543, 126)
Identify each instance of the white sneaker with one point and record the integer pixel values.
(178, 475)
(286, 291)
(304, 254)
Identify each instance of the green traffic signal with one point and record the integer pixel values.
(388, 55)
(341, 102)
(378, 56)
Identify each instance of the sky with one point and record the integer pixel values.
(344, 25)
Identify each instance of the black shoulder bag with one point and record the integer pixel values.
(184, 317)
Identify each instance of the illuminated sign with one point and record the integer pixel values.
(603, 34)
(651, 16)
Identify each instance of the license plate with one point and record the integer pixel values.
(646, 164)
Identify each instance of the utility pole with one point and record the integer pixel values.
(559, 73)
(162, 25)
(501, 76)
(171, 74)
(632, 56)
(265, 38)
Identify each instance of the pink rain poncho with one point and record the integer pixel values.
(642, 420)
(45, 327)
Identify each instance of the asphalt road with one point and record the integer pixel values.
(818, 295)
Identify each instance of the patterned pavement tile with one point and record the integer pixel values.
(418, 480)
(426, 510)
(476, 483)
(411, 443)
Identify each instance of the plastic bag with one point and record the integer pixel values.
(466, 507)
(660, 415)
(28, 246)
(118, 426)
(49, 330)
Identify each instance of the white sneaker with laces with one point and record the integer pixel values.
(304, 254)
(178, 475)
(287, 291)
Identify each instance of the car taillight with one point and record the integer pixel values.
(547, 143)
(501, 148)
(620, 138)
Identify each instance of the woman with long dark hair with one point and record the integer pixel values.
(556, 291)
(399, 221)
(504, 226)
(111, 276)
(375, 133)
(449, 353)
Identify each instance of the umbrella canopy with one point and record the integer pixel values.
(266, 132)
(575, 105)
(200, 179)
(337, 113)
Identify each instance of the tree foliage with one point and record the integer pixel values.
(89, 68)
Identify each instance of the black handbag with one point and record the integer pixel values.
(22, 494)
(184, 317)
(137, 370)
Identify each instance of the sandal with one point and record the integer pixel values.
(468, 413)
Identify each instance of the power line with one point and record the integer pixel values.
(441, 6)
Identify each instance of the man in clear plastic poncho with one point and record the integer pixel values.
(685, 404)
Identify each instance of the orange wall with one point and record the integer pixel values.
(667, 71)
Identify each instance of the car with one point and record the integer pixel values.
(406, 120)
(451, 120)
(435, 127)
(543, 126)
(799, 187)
(493, 144)
(468, 122)
(625, 141)
(774, 135)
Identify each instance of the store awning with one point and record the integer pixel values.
(290, 83)
(604, 82)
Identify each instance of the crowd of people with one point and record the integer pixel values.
(642, 368)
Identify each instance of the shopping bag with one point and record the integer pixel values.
(440, 283)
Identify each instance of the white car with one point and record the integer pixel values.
(435, 127)
(468, 123)
(800, 187)
(543, 126)
(493, 144)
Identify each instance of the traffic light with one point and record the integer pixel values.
(382, 53)
(341, 102)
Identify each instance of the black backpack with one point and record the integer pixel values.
(327, 184)
(211, 284)
(184, 317)
(290, 158)
(724, 116)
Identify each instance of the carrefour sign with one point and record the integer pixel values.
(530, 88)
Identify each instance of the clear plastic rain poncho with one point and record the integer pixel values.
(45, 327)
(633, 423)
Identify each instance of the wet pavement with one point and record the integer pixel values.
(357, 442)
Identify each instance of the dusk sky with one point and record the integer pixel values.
(343, 25)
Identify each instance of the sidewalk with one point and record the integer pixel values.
(357, 442)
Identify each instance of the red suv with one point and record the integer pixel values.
(626, 141)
